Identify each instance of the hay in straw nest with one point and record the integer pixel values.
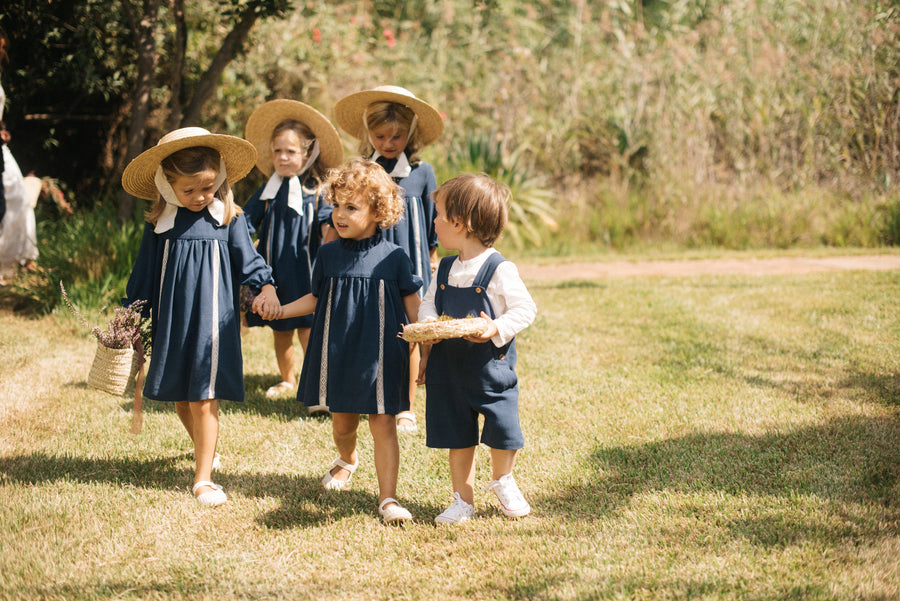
(443, 329)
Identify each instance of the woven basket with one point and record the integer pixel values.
(113, 369)
(442, 329)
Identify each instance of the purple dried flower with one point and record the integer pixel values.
(122, 331)
(247, 298)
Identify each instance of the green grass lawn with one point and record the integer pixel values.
(687, 438)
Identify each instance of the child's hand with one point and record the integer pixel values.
(258, 302)
(268, 309)
(489, 332)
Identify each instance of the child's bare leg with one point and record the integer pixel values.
(303, 337)
(206, 434)
(343, 430)
(502, 462)
(414, 359)
(387, 453)
(284, 354)
(462, 473)
(183, 410)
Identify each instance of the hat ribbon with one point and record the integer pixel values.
(167, 220)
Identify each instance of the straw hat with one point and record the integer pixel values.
(264, 119)
(348, 112)
(239, 156)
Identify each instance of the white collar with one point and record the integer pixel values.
(295, 191)
(401, 169)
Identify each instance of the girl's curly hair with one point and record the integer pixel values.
(366, 179)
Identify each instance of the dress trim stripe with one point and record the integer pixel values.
(417, 237)
(323, 368)
(162, 274)
(214, 359)
(379, 383)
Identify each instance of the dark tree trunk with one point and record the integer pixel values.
(144, 30)
(229, 49)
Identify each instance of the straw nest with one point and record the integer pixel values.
(443, 329)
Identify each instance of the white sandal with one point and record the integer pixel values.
(212, 498)
(394, 513)
(410, 416)
(282, 388)
(332, 483)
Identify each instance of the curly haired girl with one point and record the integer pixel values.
(363, 292)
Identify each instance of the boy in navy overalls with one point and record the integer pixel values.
(473, 376)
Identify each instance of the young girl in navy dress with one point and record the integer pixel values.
(195, 254)
(475, 376)
(363, 292)
(392, 126)
(295, 146)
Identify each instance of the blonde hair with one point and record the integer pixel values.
(188, 162)
(478, 202)
(391, 113)
(307, 138)
(365, 179)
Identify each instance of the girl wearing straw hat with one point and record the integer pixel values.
(295, 146)
(392, 126)
(195, 254)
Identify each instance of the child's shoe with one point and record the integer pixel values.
(512, 502)
(210, 498)
(458, 512)
(280, 389)
(392, 512)
(332, 483)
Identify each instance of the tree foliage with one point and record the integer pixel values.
(90, 82)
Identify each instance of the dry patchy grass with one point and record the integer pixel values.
(727, 437)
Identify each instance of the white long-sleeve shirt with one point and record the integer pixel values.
(513, 306)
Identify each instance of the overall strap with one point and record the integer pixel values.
(487, 270)
(441, 277)
(443, 270)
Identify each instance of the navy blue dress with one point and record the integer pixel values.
(191, 277)
(287, 241)
(355, 361)
(466, 379)
(415, 233)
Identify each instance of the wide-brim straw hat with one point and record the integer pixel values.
(239, 156)
(262, 123)
(349, 110)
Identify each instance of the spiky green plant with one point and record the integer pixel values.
(531, 214)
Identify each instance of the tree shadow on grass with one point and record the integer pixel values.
(846, 461)
(302, 500)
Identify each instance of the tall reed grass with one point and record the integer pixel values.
(675, 110)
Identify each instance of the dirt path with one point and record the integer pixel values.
(778, 265)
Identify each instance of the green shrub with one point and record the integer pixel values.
(90, 253)
(531, 215)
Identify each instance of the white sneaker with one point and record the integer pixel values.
(512, 502)
(459, 511)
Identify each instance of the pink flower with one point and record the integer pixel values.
(389, 35)
(317, 35)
